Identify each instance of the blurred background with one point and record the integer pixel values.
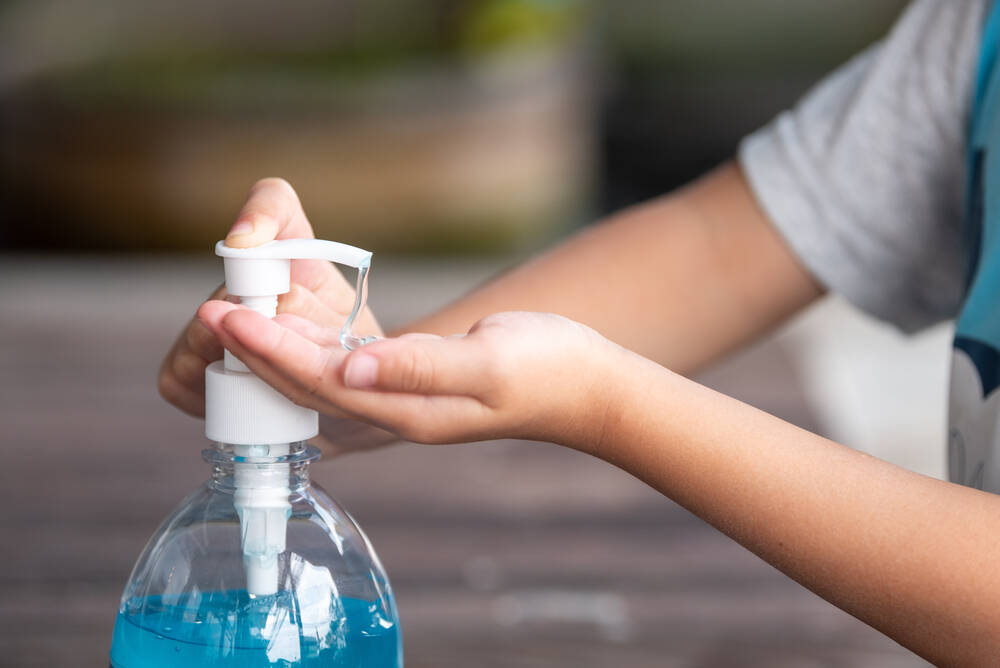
(452, 138)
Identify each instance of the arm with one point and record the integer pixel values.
(682, 279)
(912, 556)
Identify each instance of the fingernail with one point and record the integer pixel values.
(240, 229)
(361, 371)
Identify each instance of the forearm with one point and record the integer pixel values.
(681, 280)
(912, 556)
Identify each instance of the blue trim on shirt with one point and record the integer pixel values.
(987, 54)
(977, 329)
(976, 143)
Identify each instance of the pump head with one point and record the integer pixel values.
(239, 407)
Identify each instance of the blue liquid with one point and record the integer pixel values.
(231, 628)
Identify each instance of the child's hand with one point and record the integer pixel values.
(319, 293)
(527, 375)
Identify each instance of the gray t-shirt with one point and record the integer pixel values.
(865, 177)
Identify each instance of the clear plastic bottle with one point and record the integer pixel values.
(187, 603)
(259, 567)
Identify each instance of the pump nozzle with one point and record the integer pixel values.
(265, 270)
(242, 410)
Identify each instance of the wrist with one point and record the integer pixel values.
(603, 400)
(631, 397)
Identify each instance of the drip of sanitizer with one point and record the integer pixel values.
(259, 567)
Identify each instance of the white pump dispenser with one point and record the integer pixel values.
(260, 423)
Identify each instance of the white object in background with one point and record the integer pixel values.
(874, 388)
(242, 410)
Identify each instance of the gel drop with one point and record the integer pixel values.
(347, 336)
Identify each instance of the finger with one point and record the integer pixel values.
(358, 437)
(326, 282)
(333, 290)
(322, 336)
(309, 375)
(309, 366)
(180, 395)
(427, 366)
(189, 370)
(181, 379)
(199, 340)
(290, 363)
(212, 314)
(272, 211)
(329, 305)
(303, 302)
(417, 336)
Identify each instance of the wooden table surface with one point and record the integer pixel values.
(501, 554)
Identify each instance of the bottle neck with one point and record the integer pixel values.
(279, 465)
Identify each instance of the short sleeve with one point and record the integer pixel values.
(864, 178)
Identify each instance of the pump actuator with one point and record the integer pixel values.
(239, 407)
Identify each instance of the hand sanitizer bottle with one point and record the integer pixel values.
(259, 567)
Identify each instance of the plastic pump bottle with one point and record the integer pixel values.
(259, 567)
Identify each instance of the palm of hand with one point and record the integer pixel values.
(513, 375)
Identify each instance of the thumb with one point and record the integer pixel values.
(272, 211)
(431, 366)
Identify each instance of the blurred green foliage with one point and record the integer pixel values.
(372, 39)
(438, 124)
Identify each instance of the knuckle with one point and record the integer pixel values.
(315, 384)
(296, 301)
(415, 371)
(202, 341)
(494, 320)
(273, 345)
(291, 301)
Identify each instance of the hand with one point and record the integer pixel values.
(526, 375)
(319, 293)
